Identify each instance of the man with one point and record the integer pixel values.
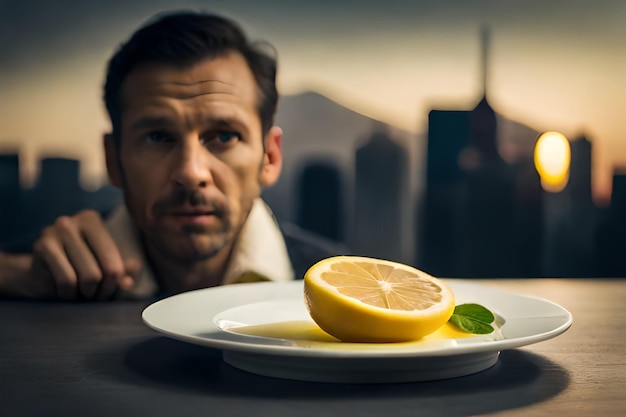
(191, 103)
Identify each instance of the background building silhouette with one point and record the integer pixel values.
(58, 190)
(469, 208)
(611, 245)
(381, 188)
(10, 199)
(529, 228)
(487, 232)
(448, 135)
(320, 199)
(579, 184)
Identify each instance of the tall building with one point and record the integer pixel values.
(571, 219)
(468, 212)
(579, 184)
(381, 190)
(57, 192)
(487, 233)
(320, 204)
(10, 196)
(448, 136)
(611, 245)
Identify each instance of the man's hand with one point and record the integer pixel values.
(75, 259)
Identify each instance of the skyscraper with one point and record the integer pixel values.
(611, 245)
(468, 213)
(381, 190)
(10, 196)
(448, 135)
(579, 185)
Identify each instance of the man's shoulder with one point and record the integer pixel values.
(306, 248)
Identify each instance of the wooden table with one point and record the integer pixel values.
(79, 359)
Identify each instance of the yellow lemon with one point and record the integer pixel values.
(359, 299)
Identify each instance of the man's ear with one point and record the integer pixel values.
(273, 158)
(112, 160)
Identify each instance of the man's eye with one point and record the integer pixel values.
(158, 137)
(223, 138)
(226, 137)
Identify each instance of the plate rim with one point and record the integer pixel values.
(229, 341)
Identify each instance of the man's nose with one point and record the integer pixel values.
(192, 165)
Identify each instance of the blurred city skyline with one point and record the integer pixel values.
(555, 65)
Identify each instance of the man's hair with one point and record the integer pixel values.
(182, 39)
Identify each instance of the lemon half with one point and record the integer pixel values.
(359, 299)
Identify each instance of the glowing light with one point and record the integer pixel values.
(552, 160)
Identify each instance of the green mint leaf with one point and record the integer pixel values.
(473, 318)
(475, 311)
(470, 326)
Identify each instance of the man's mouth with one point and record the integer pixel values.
(195, 212)
(196, 216)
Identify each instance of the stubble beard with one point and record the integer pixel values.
(192, 244)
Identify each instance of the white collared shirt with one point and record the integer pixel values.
(259, 253)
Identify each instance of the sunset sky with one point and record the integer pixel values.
(555, 65)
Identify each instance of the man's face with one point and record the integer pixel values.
(191, 158)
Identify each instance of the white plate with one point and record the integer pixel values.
(213, 317)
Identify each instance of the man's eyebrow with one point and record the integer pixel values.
(225, 123)
(151, 122)
(222, 122)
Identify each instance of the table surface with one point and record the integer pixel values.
(78, 359)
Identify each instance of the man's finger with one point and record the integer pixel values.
(107, 256)
(53, 256)
(88, 271)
